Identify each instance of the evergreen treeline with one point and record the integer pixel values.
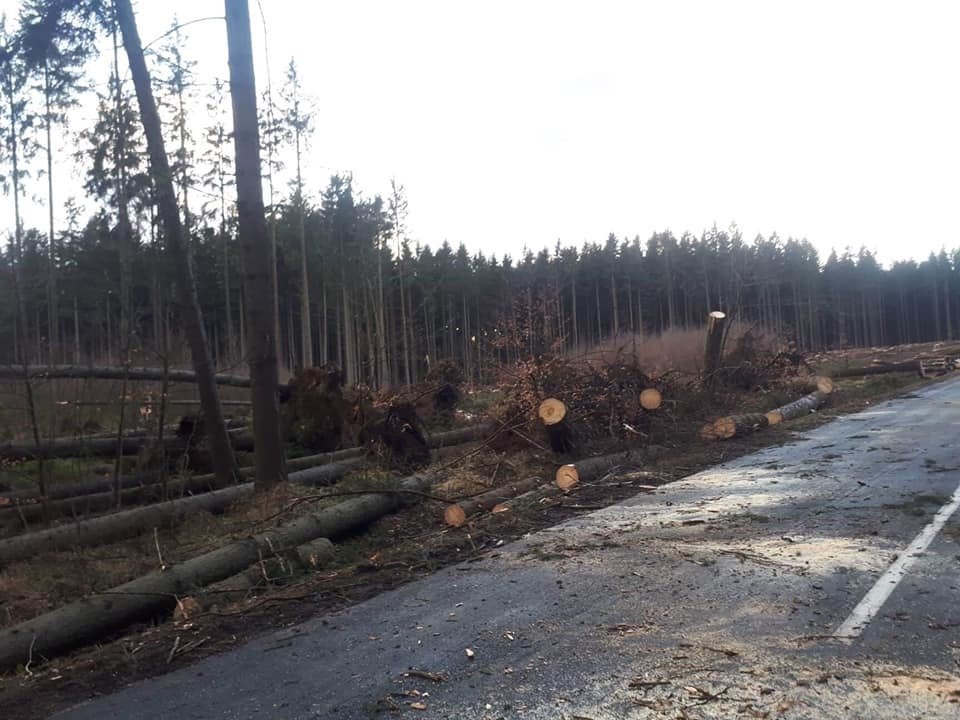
(351, 287)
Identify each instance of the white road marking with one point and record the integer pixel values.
(864, 612)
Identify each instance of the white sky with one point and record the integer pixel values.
(520, 123)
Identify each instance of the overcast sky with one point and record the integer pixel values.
(524, 122)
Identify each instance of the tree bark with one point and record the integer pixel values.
(457, 514)
(797, 408)
(716, 322)
(92, 618)
(567, 476)
(256, 249)
(192, 316)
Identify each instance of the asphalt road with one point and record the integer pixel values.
(815, 580)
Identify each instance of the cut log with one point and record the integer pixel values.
(512, 503)
(716, 323)
(908, 366)
(129, 523)
(734, 426)
(738, 425)
(651, 399)
(568, 476)
(803, 406)
(553, 414)
(97, 616)
(458, 513)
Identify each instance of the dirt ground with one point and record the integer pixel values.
(397, 549)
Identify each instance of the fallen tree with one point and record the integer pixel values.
(738, 425)
(85, 372)
(456, 514)
(129, 523)
(570, 475)
(139, 480)
(94, 618)
(803, 406)
(103, 447)
(136, 491)
(914, 366)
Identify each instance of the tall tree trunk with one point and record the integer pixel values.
(615, 330)
(573, 301)
(947, 315)
(306, 335)
(192, 318)
(256, 249)
(53, 310)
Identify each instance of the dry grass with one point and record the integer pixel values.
(676, 350)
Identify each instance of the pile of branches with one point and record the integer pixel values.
(602, 398)
(754, 363)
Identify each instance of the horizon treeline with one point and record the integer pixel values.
(352, 287)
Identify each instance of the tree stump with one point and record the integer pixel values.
(553, 415)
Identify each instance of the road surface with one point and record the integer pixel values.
(820, 579)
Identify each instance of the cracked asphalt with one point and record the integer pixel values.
(716, 596)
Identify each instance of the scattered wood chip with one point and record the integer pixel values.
(418, 706)
(470, 654)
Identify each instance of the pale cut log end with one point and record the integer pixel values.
(824, 384)
(651, 399)
(500, 508)
(708, 432)
(552, 411)
(717, 315)
(454, 516)
(726, 428)
(774, 418)
(566, 477)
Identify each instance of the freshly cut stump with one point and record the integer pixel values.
(553, 414)
(552, 411)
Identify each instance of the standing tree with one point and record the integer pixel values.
(297, 119)
(175, 77)
(256, 249)
(221, 451)
(217, 178)
(57, 60)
